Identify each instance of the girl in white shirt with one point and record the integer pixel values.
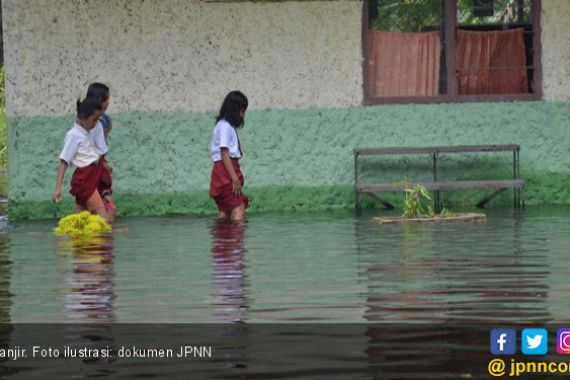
(100, 134)
(227, 180)
(79, 150)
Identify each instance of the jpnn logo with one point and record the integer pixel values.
(534, 341)
(504, 341)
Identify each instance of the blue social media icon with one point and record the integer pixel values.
(534, 341)
(503, 341)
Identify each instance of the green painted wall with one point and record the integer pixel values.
(296, 159)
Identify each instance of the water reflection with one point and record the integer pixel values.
(88, 293)
(88, 289)
(229, 288)
(453, 281)
(228, 252)
(5, 276)
(453, 272)
(5, 295)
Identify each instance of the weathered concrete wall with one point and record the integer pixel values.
(181, 54)
(297, 159)
(170, 63)
(555, 24)
(184, 55)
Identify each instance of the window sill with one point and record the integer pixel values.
(449, 99)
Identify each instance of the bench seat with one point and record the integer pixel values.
(495, 184)
(499, 185)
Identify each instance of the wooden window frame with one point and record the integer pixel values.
(452, 96)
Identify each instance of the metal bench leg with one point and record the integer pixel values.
(489, 198)
(357, 207)
(437, 201)
(385, 205)
(517, 174)
(519, 202)
(437, 194)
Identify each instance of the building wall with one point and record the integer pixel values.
(170, 64)
(181, 55)
(298, 159)
(555, 24)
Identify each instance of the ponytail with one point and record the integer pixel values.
(87, 107)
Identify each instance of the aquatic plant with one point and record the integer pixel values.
(82, 223)
(413, 207)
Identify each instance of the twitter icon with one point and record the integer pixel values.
(534, 341)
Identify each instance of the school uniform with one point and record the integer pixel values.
(225, 136)
(98, 136)
(79, 150)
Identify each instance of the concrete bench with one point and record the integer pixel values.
(500, 185)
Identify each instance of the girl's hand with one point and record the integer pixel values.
(56, 196)
(236, 187)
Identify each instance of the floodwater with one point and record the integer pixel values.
(330, 275)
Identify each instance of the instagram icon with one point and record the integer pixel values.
(563, 341)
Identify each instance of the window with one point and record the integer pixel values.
(451, 50)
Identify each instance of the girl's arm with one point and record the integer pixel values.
(227, 161)
(60, 173)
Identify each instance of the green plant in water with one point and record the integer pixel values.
(447, 213)
(413, 197)
(413, 207)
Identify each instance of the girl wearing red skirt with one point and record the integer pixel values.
(90, 173)
(227, 180)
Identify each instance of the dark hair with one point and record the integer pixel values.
(87, 107)
(98, 91)
(234, 102)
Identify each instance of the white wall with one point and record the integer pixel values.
(170, 55)
(167, 55)
(555, 22)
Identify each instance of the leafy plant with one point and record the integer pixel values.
(3, 148)
(446, 213)
(413, 207)
(428, 15)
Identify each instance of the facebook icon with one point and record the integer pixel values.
(503, 341)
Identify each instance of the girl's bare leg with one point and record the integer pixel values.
(110, 207)
(96, 205)
(238, 213)
(222, 215)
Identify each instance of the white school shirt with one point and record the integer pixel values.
(224, 136)
(98, 136)
(79, 148)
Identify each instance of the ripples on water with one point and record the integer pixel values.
(303, 268)
(87, 289)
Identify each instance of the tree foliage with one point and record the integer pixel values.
(3, 147)
(428, 15)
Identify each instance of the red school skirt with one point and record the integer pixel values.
(86, 180)
(221, 187)
(106, 183)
